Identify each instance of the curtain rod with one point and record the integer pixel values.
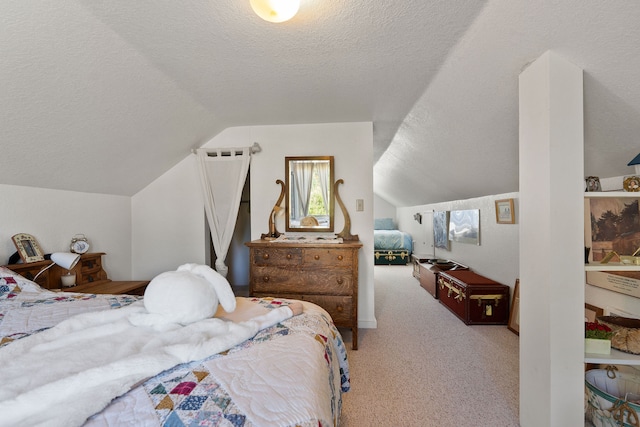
(255, 148)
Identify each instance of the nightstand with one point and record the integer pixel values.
(132, 287)
(90, 277)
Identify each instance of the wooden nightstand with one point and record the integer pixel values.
(90, 277)
(133, 287)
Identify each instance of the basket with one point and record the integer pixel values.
(626, 333)
(612, 402)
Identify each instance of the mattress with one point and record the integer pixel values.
(290, 374)
(392, 240)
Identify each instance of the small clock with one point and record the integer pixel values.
(79, 244)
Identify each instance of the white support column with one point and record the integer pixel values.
(551, 243)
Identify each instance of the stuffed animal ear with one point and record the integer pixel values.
(220, 284)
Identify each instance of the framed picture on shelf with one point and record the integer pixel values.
(504, 212)
(631, 183)
(514, 313)
(591, 312)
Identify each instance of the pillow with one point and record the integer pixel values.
(384, 224)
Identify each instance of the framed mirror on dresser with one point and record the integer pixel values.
(310, 201)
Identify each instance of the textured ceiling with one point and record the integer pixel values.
(106, 96)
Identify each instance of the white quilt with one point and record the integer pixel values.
(91, 358)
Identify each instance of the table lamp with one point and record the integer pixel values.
(66, 260)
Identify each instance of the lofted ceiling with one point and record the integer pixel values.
(104, 97)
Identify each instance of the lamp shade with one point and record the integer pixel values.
(635, 162)
(65, 259)
(275, 10)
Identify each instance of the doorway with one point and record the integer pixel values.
(238, 254)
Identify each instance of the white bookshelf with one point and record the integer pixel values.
(616, 357)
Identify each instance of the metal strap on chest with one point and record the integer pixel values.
(452, 290)
(496, 298)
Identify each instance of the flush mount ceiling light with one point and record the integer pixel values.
(275, 10)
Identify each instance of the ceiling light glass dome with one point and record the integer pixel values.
(275, 10)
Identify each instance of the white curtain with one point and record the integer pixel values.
(303, 173)
(323, 175)
(223, 172)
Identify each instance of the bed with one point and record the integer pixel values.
(291, 373)
(391, 246)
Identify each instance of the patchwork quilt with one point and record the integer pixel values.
(290, 374)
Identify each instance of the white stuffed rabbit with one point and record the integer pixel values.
(189, 294)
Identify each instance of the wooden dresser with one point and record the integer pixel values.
(322, 273)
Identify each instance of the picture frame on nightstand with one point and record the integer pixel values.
(28, 247)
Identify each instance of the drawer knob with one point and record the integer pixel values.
(340, 280)
(317, 257)
(288, 256)
(340, 257)
(265, 256)
(265, 279)
(339, 308)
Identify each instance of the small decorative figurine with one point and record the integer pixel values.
(631, 183)
(593, 184)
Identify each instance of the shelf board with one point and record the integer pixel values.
(616, 357)
(611, 266)
(599, 194)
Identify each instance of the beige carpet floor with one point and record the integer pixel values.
(424, 367)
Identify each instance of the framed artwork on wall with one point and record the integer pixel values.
(464, 226)
(504, 212)
(440, 229)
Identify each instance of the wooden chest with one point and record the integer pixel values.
(394, 257)
(473, 298)
(429, 272)
(321, 273)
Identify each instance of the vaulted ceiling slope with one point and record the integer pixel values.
(104, 97)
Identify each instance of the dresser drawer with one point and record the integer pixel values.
(91, 264)
(279, 256)
(339, 308)
(281, 280)
(328, 257)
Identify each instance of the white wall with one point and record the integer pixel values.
(496, 257)
(168, 222)
(53, 217)
(382, 208)
(551, 107)
(168, 218)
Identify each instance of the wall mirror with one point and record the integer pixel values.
(310, 198)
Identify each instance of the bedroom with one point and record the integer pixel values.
(63, 180)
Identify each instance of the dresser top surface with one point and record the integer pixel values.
(303, 244)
